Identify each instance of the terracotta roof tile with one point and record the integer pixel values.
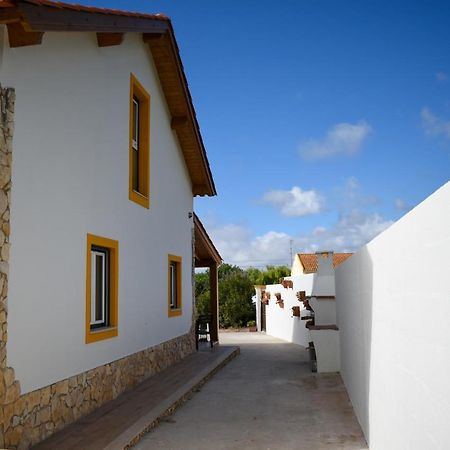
(309, 260)
(93, 9)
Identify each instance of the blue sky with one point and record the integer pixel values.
(324, 121)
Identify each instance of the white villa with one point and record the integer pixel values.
(100, 158)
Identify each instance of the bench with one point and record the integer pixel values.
(203, 328)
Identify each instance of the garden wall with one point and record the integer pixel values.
(393, 306)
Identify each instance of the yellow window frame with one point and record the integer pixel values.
(113, 329)
(173, 312)
(142, 195)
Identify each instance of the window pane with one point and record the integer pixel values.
(99, 287)
(173, 285)
(135, 144)
(136, 170)
(135, 122)
(93, 288)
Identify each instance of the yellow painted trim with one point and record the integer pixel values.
(113, 329)
(143, 196)
(179, 310)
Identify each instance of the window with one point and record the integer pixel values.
(135, 145)
(174, 285)
(101, 288)
(139, 183)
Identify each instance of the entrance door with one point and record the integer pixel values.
(263, 316)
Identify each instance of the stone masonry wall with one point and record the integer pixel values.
(27, 419)
(9, 387)
(32, 417)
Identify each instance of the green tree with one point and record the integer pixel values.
(236, 289)
(255, 275)
(202, 292)
(272, 274)
(235, 300)
(226, 270)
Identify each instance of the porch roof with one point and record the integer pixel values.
(205, 251)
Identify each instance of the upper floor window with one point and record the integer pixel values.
(139, 171)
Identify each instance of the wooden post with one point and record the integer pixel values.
(214, 300)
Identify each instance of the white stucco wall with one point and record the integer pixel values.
(324, 311)
(393, 307)
(326, 344)
(279, 321)
(297, 267)
(70, 178)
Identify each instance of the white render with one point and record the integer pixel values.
(70, 178)
(323, 283)
(281, 324)
(323, 286)
(322, 301)
(297, 266)
(279, 321)
(393, 306)
(324, 310)
(326, 345)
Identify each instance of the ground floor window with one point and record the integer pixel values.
(101, 288)
(174, 285)
(100, 299)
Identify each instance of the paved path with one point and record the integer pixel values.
(266, 398)
(120, 422)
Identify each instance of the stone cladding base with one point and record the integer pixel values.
(28, 419)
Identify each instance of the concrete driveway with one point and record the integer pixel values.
(266, 398)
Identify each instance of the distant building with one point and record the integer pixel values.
(308, 262)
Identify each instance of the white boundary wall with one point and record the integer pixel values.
(393, 304)
(279, 321)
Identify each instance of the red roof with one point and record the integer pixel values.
(309, 260)
(92, 9)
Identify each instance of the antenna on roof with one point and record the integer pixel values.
(290, 250)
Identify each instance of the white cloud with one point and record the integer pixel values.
(236, 246)
(357, 228)
(349, 233)
(295, 202)
(341, 139)
(433, 125)
(401, 205)
(441, 76)
(351, 196)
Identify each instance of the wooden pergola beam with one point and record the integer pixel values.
(109, 39)
(214, 300)
(19, 37)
